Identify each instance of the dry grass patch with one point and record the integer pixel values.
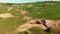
(9, 8)
(30, 5)
(27, 18)
(23, 12)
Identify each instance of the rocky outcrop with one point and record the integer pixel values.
(42, 23)
(55, 24)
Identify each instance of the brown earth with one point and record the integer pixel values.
(6, 15)
(53, 23)
(23, 12)
(49, 23)
(31, 23)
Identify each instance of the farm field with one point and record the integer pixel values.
(16, 17)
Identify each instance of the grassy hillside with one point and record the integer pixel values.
(44, 10)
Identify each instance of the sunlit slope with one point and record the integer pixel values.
(44, 10)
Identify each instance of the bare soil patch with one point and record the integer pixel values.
(29, 5)
(53, 23)
(31, 23)
(49, 23)
(27, 18)
(28, 25)
(9, 8)
(6, 15)
(23, 12)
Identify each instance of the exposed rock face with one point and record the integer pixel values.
(53, 24)
(42, 23)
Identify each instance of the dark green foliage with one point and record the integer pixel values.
(48, 30)
(37, 30)
(25, 32)
(9, 4)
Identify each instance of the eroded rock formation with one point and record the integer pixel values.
(49, 23)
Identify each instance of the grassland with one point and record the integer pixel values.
(10, 24)
(44, 10)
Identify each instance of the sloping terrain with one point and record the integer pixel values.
(30, 18)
